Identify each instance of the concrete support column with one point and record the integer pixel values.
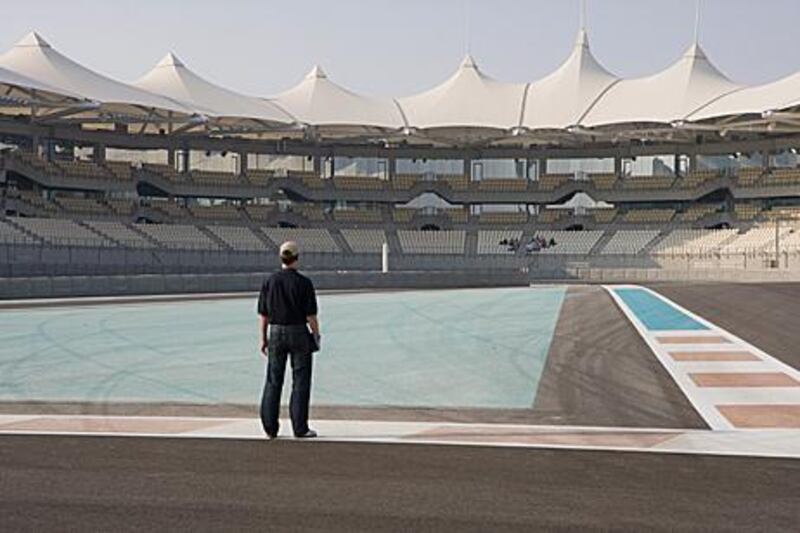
(391, 167)
(676, 164)
(618, 166)
(468, 168)
(186, 160)
(243, 163)
(171, 157)
(318, 165)
(99, 153)
(692, 162)
(542, 166)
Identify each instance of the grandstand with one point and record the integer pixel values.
(364, 240)
(431, 242)
(612, 174)
(629, 242)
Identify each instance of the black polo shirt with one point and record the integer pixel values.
(287, 297)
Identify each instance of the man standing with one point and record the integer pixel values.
(287, 307)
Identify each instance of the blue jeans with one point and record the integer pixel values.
(285, 341)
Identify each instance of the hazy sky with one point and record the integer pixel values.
(398, 47)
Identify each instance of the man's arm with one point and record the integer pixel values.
(313, 322)
(263, 325)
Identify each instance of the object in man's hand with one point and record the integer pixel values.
(316, 341)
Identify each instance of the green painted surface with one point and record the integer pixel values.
(466, 348)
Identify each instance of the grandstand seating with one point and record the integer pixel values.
(314, 213)
(782, 176)
(629, 242)
(218, 213)
(570, 242)
(84, 170)
(403, 214)
(404, 182)
(783, 213)
(309, 239)
(10, 234)
(489, 241)
(747, 211)
(695, 212)
(550, 182)
(548, 216)
(120, 169)
(206, 177)
(121, 207)
(754, 240)
(60, 231)
(507, 218)
(82, 206)
(38, 163)
(749, 176)
(358, 215)
(35, 200)
(693, 241)
(457, 215)
(359, 183)
(503, 184)
(645, 216)
(456, 182)
(363, 241)
(170, 209)
(167, 172)
(178, 236)
(603, 181)
(432, 242)
(119, 232)
(260, 212)
(647, 182)
(602, 215)
(238, 237)
(696, 177)
(260, 177)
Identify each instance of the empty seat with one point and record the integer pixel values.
(309, 239)
(364, 240)
(432, 242)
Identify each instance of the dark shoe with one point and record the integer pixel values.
(272, 436)
(310, 434)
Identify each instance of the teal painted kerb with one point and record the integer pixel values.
(482, 348)
(655, 313)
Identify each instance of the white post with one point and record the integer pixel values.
(385, 258)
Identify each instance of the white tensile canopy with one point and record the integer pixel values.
(775, 96)
(562, 98)
(468, 99)
(319, 102)
(34, 58)
(666, 97)
(580, 97)
(171, 78)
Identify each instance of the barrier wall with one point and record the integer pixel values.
(75, 286)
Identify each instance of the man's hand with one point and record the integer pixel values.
(264, 346)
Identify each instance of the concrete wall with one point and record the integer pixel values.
(74, 286)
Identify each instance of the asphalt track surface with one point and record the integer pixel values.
(600, 372)
(766, 315)
(132, 484)
(136, 484)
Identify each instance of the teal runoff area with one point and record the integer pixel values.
(483, 348)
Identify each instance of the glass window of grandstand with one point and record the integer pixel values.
(486, 169)
(580, 169)
(279, 165)
(430, 168)
(360, 167)
(210, 161)
(651, 165)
